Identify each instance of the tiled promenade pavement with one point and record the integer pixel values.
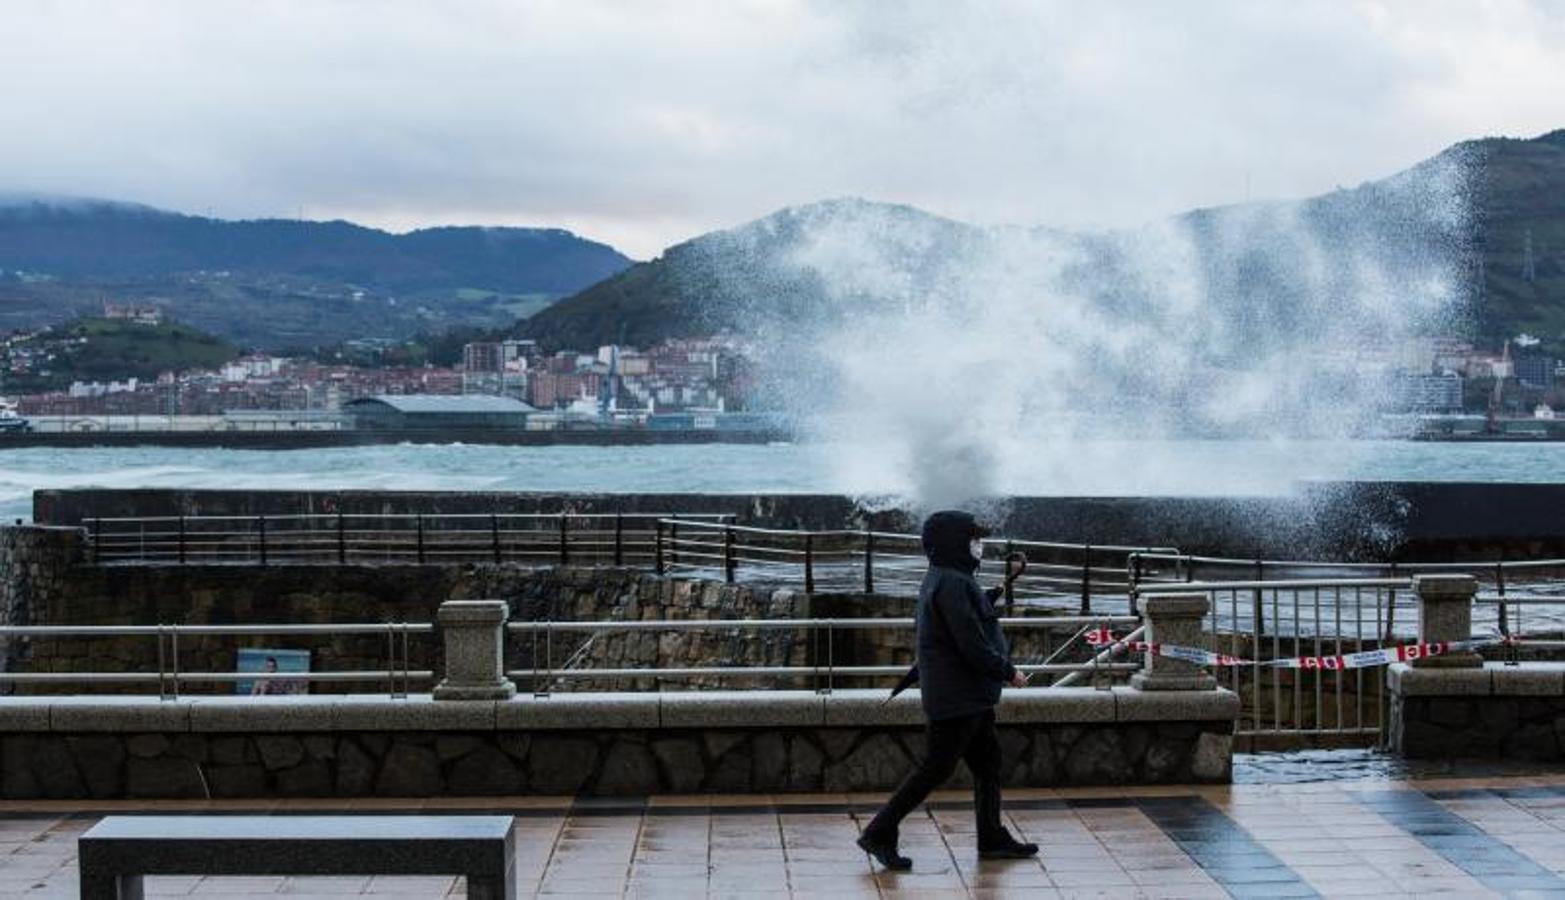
(1493, 836)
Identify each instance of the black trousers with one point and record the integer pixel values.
(971, 739)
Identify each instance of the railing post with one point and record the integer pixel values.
(420, 523)
(1173, 620)
(619, 539)
(673, 543)
(869, 561)
(809, 563)
(1258, 600)
(657, 550)
(182, 541)
(97, 540)
(494, 535)
(565, 553)
(1445, 613)
(261, 521)
(1391, 609)
(1086, 579)
(1499, 584)
(473, 633)
(342, 540)
(729, 564)
(1005, 575)
(1135, 582)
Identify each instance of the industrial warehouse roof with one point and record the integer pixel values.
(418, 404)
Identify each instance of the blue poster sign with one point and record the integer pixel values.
(262, 661)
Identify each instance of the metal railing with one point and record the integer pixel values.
(822, 672)
(1259, 621)
(398, 675)
(1502, 574)
(567, 538)
(878, 562)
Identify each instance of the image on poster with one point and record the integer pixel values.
(262, 660)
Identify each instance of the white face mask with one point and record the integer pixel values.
(976, 548)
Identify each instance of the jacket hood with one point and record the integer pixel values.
(946, 536)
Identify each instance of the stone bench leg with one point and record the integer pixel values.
(492, 887)
(107, 886)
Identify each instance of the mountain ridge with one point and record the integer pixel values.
(280, 282)
(1478, 204)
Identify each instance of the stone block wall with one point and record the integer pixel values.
(1495, 712)
(38, 568)
(596, 762)
(604, 744)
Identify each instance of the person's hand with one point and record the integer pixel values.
(1015, 565)
(1019, 679)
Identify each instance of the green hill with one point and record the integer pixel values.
(97, 349)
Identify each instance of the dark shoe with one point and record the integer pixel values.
(885, 854)
(1009, 848)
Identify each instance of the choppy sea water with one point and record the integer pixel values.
(1074, 467)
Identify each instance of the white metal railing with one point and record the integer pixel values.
(822, 672)
(1260, 620)
(398, 675)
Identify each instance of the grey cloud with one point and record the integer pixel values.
(642, 123)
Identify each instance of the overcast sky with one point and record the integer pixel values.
(643, 123)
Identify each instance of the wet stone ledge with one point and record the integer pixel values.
(608, 745)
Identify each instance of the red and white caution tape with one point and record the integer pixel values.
(1103, 637)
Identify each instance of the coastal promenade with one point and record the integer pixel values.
(1396, 833)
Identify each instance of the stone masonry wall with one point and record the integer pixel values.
(38, 567)
(599, 762)
(1489, 727)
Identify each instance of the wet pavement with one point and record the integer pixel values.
(1316, 823)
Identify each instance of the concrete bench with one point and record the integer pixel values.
(115, 853)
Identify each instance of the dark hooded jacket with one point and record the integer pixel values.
(962, 655)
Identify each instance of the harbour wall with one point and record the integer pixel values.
(305, 439)
(1382, 521)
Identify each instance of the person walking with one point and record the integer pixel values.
(962, 664)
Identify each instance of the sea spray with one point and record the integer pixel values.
(963, 361)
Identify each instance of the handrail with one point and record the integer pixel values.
(793, 624)
(1476, 565)
(782, 671)
(1198, 587)
(427, 515)
(169, 676)
(275, 629)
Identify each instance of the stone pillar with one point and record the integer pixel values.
(474, 632)
(1445, 613)
(1173, 619)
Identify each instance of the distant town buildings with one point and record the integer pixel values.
(705, 376)
(693, 379)
(141, 315)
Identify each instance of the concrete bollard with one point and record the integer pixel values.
(1445, 613)
(1173, 619)
(474, 635)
